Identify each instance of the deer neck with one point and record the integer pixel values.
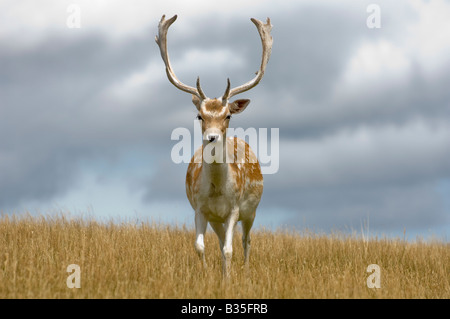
(216, 173)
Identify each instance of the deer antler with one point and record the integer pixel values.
(266, 39)
(161, 40)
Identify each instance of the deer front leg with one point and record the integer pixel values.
(220, 232)
(228, 244)
(200, 228)
(246, 226)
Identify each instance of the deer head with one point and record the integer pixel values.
(215, 114)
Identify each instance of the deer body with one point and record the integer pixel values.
(214, 189)
(224, 183)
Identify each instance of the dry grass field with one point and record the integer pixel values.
(126, 260)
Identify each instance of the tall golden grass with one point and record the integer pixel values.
(147, 260)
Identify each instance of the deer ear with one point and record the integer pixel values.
(238, 106)
(197, 102)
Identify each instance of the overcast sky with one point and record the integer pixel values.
(86, 114)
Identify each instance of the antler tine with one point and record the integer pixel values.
(225, 96)
(161, 40)
(266, 40)
(199, 89)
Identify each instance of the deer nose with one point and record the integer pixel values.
(212, 137)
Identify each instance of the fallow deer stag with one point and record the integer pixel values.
(228, 188)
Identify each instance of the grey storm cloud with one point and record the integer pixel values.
(386, 208)
(51, 114)
(376, 151)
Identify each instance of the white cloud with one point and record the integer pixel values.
(376, 61)
(201, 61)
(387, 55)
(28, 21)
(427, 36)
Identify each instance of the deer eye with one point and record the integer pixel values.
(199, 118)
(228, 117)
